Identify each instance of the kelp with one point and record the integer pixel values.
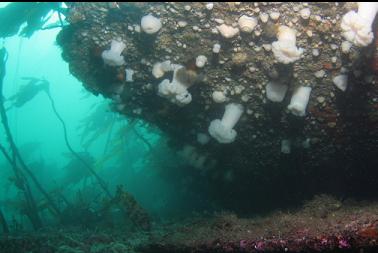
(33, 14)
(120, 141)
(118, 144)
(96, 124)
(3, 223)
(14, 156)
(75, 171)
(131, 209)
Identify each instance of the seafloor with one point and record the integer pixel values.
(321, 225)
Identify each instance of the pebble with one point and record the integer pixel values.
(219, 20)
(332, 124)
(341, 82)
(334, 46)
(245, 98)
(305, 13)
(274, 15)
(264, 17)
(315, 52)
(267, 47)
(252, 69)
(238, 89)
(209, 6)
(319, 74)
(320, 99)
(182, 23)
(257, 49)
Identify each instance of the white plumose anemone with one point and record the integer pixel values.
(222, 130)
(113, 57)
(276, 91)
(195, 158)
(216, 48)
(357, 27)
(150, 24)
(285, 49)
(247, 24)
(160, 68)
(219, 97)
(201, 61)
(129, 75)
(227, 31)
(175, 91)
(299, 101)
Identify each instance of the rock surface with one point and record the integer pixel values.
(342, 127)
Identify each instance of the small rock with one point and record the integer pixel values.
(320, 99)
(305, 13)
(341, 82)
(319, 74)
(334, 46)
(274, 15)
(182, 23)
(332, 124)
(264, 17)
(209, 6)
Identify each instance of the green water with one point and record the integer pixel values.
(117, 152)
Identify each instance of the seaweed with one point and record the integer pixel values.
(33, 14)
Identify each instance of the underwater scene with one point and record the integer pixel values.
(188, 127)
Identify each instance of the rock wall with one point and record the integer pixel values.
(333, 147)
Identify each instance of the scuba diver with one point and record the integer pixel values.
(28, 92)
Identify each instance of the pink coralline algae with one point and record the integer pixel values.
(343, 243)
(260, 246)
(243, 244)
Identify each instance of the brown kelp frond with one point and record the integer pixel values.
(97, 123)
(33, 14)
